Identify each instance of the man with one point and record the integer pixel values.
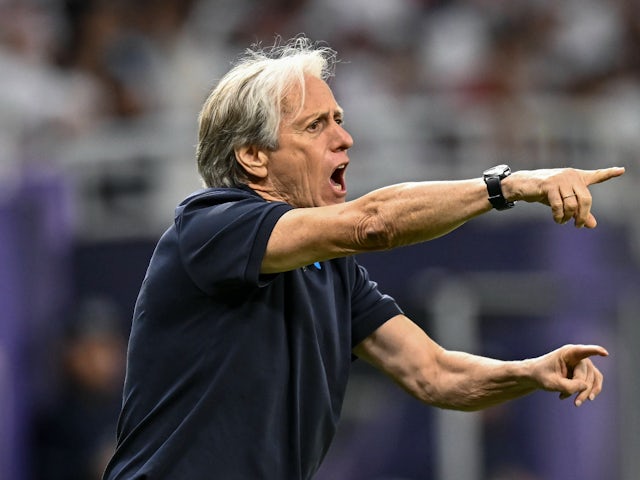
(253, 306)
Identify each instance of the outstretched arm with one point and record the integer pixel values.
(410, 213)
(461, 381)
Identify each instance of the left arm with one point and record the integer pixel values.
(461, 381)
(415, 212)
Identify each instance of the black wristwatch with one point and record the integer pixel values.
(493, 177)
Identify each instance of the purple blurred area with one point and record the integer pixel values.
(98, 108)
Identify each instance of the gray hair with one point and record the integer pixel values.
(246, 106)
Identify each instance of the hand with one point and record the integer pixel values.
(569, 370)
(565, 190)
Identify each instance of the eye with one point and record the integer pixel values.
(314, 126)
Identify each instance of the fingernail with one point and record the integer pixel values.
(578, 403)
(592, 397)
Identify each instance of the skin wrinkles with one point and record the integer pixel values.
(372, 232)
(311, 147)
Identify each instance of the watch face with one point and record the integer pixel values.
(497, 170)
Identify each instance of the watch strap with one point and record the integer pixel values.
(494, 189)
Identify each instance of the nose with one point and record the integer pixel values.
(343, 138)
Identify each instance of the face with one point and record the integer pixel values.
(308, 168)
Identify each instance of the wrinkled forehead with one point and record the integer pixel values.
(310, 94)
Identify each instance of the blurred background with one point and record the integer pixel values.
(98, 107)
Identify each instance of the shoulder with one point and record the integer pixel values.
(217, 196)
(243, 197)
(226, 210)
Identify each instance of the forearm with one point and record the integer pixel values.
(409, 213)
(469, 382)
(440, 377)
(462, 381)
(415, 212)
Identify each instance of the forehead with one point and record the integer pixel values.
(318, 97)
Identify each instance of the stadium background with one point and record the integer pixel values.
(98, 104)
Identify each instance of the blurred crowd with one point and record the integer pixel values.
(73, 425)
(431, 87)
(68, 65)
(106, 93)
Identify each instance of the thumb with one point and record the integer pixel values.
(591, 221)
(567, 387)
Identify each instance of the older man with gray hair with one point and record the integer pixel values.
(254, 307)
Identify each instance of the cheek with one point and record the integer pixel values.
(319, 177)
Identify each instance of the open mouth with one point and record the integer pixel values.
(337, 178)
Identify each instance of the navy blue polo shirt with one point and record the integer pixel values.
(232, 374)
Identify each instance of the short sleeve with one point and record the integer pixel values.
(222, 239)
(370, 308)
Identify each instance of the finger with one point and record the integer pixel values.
(556, 203)
(580, 381)
(597, 385)
(585, 372)
(578, 203)
(571, 209)
(568, 387)
(580, 398)
(575, 353)
(585, 217)
(602, 175)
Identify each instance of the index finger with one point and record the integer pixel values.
(576, 353)
(602, 175)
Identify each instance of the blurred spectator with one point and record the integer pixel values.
(37, 99)
(74, 433)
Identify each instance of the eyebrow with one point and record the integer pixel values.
(323, 114)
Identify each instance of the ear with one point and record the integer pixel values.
(253, 160)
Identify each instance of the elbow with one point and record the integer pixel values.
(374, 233)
